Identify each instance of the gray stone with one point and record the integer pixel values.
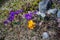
(45, 35)
(58, 13)
(45, 5)
(53, 11)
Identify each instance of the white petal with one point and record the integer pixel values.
(42, 14)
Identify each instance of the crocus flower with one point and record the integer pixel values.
(39, 13)
(6, 22)
(12, 13)
(31, 24)
(28, 16)
(19, 11)
(11, 18)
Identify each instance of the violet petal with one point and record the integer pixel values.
(18, 11)
(11, 18)
(5, 22)
(12, 13)
(28, 16)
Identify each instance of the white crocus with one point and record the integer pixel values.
(42, 14)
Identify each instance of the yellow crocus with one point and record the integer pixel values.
(31, 24)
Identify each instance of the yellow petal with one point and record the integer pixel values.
(31, 24)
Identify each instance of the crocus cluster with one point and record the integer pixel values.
(12, 14)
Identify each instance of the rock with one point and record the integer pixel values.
(45, 35)
(45, 5)
(53, 11)
(58, 13)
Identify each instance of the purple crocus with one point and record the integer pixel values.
(28, 16)
(6, 22)
(18, 11)
(21, 10)
(11, 18)
(12, 13)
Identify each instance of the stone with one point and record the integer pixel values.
(58, 14)
(45, 35)
(45, 5)
(52, 11)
